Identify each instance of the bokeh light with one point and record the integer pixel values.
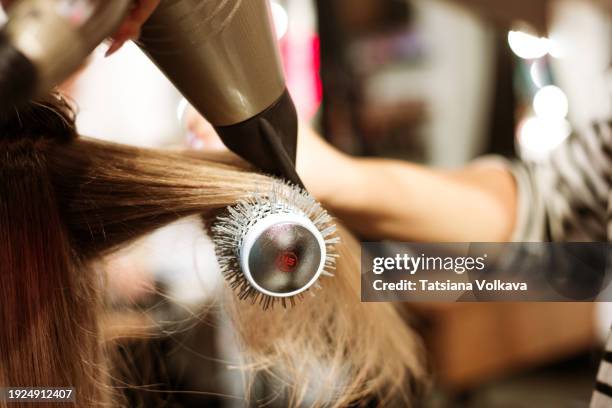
(528, 46)
(550, 102)
(281, 19)
(537, 74)
(538, 137)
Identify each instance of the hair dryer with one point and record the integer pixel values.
(223, 57)
(220, 54)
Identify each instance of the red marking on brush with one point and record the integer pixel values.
(287, 261)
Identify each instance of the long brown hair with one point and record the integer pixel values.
(67, 201)
(49, 306)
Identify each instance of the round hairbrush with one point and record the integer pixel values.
(274, 246)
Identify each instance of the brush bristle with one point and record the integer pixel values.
(230, 229)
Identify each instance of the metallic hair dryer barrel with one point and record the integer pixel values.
(222, 55)
(45, 41)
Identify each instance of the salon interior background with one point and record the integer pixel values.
(432, 81)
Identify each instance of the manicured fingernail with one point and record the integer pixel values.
(113, 48)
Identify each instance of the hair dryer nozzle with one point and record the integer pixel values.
(268, 140)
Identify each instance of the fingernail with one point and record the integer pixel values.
(113, 48)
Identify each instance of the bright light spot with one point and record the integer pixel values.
(281, 19)
(181, 108)
(538, 137)
(537, 75)
(555, 49)
(550, 102)
(528, 46)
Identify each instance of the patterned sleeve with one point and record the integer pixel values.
(602, 395)
(566, 197)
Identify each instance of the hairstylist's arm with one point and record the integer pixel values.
(390, 199)
(130, 28)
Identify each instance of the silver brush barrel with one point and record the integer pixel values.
(54, 37)
(222, 55)
(275, 244)
(282, 255)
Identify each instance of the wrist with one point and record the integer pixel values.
(345, 184)
(330, 175)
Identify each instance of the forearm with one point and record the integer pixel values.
(388, 199)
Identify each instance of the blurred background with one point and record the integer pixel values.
(438, 82)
